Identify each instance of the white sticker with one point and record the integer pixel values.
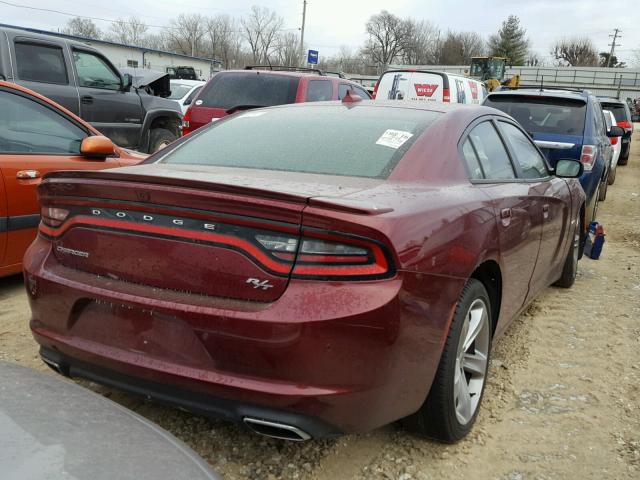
(393, 138)
(199, 102)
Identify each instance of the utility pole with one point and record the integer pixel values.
(613, 44)
(304, 14)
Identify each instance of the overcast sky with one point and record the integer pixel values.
(332, 23)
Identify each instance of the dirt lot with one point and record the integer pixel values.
(563, 400)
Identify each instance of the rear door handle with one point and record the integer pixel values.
(86, 99)
(28, 174)
(545, 211)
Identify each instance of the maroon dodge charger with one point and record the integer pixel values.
(308, 269)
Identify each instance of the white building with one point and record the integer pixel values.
(138, 57)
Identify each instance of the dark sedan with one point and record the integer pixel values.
(308, 269)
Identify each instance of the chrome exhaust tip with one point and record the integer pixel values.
(278, 430)
(54, 365)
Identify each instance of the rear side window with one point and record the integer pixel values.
(527, 156)
(618, 110)
(27, 126)
(361, 142)
(229, 90)
(565, 116)
(319, 90)
(40, 63)
(491, 152)
(471, 159)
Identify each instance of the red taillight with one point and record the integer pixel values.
(614, 140)
(186, 129)
(588, 156)
(446, 96)
(375, 90)
(328, 256)
(53, 216)
(628, 126)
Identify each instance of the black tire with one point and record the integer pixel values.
(602, 191)
(611, 179)
(570, 268)
(437, 416)
(160, 138)
(624, 155)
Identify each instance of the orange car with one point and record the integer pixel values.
(37, 136)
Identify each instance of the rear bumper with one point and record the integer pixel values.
(329, 357)
(191, 401)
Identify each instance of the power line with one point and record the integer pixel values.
(101, 19)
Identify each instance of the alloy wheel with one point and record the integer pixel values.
(471, 361)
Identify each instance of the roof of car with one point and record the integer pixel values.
(286, 73)
(543, 92)
(610, 100)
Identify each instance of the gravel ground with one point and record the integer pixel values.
(563, 398)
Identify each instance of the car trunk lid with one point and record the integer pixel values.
(151, 225)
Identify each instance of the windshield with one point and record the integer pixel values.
(618, 110)
(564, 116)
(335, 140)
(228, 90)
(178, 91)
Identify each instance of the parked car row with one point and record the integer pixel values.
(85, 82)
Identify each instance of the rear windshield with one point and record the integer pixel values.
(178, 91)
(618, 111)
(564, 116)
(365, 141)
(228, 90)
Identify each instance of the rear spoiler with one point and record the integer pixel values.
(83, 177)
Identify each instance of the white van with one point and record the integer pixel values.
(429, 86)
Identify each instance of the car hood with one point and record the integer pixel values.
(153, 82)
(53, 428)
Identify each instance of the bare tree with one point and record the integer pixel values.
(421, 43)
(288, 49)
(260, 30)
(457, 48)
(82, 27)
(131, 31)
(387, 37)
(575, 52)
(222, 33)
(185, 33)
(533, 60)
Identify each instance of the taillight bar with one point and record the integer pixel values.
(279, 249)
(446, 95)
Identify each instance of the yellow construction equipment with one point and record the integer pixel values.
(491, 71)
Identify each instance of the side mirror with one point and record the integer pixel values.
(615, 132)
(127, 81)
(188, 101)
(97, 147)
(569, 168)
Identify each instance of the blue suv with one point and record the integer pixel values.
(564, 124)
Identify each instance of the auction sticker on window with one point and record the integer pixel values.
(393, 138)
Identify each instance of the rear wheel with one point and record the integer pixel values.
(452, 405)
(159, 139)
(612, 176)
(624, 155)
(602, 191)
(570, 269)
